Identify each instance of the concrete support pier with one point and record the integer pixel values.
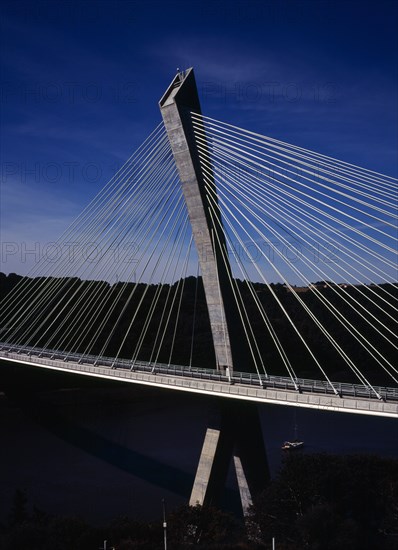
(236, 435)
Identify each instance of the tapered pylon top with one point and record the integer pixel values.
(179, 101)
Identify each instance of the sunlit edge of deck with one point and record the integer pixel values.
(329, 402)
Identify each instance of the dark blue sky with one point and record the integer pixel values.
(81, 82)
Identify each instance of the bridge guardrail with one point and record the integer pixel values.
(193, 373)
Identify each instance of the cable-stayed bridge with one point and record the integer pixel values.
(223, 262)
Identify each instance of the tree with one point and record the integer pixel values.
(328, 502)
(19, 509)
(203, 527)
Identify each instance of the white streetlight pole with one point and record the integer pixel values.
(164, 524)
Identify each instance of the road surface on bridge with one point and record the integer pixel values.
(313, 394)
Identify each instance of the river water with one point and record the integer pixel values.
(100, 451)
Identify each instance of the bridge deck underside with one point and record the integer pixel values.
(273, 390)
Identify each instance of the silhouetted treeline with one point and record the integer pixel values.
(330, 502)
(170, 323)
(316, 502)
(34, 529)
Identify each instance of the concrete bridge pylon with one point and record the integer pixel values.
(238, 432)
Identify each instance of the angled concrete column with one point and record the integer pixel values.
(250, 458)
(244, 491)
(239, 430)
(213, 468)
(180, 99)
(236, 433)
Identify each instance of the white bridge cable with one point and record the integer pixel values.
(239, 300)
(127, 273)
(87, 213)
(247, 327)
(171, 292)
(165, 142)
(244, 145)
(194, 314)
(107, 270)
(391, 205)
(219, 149)
(315, 229)
(394, 264)
(168, 228)
(375, 195)
(100, 269)
(96, 302)
(179, 290)
(158, 292)
(323, 213)
(158, 341)
(272, 332)
(177, 231)
(351, 329)
(60, 265)
(57, 288)
(341, 318)
(385, 181)
(308, 311)
(182, 283)
(147, 237)
(332, 229)
(145, 244)
(280, 349)
(266, 198)
(242, 204)
(241, 188)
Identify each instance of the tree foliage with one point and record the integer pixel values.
(316, 502)
(330, 502)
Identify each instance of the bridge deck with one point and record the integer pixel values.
(276, 390)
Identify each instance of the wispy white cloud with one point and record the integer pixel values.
(33, 214)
